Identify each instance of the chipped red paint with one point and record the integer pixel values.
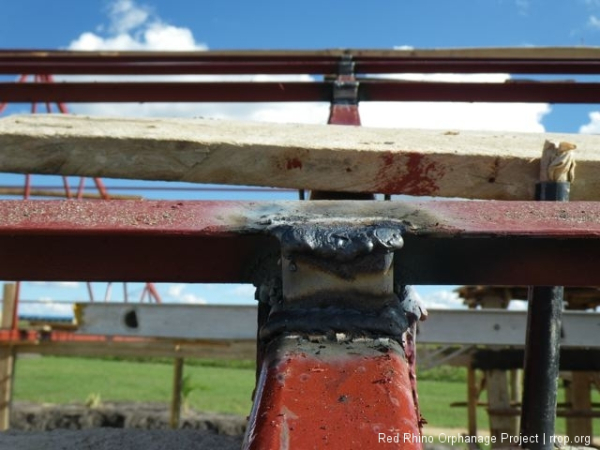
(410, 174)
(293, 163)
(308, 401)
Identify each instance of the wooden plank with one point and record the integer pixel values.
(7, 357)
(445, 163)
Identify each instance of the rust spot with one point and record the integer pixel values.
(411, 173)
(342, 398)
(293, 163)
(495, 170)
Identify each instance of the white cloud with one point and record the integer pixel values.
(175, 290)
(593, 126)
(517, 305)
(176, 293)
(524, 117)
(125, 16)
(594, 22)
(245, 291)
(192, 299)
(133, 27)
(443, 299)
(57, 284)
(46, 308)
(460, 116)
(523, 6)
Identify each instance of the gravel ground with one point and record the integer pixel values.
(123, 426)
(117, 439)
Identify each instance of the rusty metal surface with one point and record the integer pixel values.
(363, 391)
(446, 242)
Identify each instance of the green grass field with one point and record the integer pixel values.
(217, 386)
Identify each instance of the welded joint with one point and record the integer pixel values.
(345, 86)
(345, 92)
(338, 278)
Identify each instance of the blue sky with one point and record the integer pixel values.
(311, 24)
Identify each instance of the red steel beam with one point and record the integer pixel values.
(164, 92)
(446, 242)
(291, 62)
(515, 91)
(118, 67)
(368, 90)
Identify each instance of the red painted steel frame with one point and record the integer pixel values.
(287, 91)
(446, 242)
(292, 62)
(308, 399)
(362, 394)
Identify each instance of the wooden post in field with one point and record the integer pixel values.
(472, 399)
(501, 419)
(7, 357)
(515, 386)
(176, 395)
(579, 396)
(497, 384)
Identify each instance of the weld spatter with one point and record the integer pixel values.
(339, 242)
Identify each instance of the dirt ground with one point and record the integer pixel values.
(112, 426)
(122, 426)
(117, 439)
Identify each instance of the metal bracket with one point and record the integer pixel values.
(345, 86)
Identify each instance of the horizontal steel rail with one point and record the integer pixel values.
(514, 61)
(443, 326)
(445, 242)
(288, 91)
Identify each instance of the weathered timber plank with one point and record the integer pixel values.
(485, 165)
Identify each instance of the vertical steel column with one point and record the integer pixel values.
(334, 370)
(542, 349)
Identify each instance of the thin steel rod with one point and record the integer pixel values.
(542, 350)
